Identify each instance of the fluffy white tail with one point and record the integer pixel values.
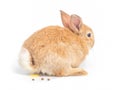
(25, 60)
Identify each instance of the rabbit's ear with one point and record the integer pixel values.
(65, 19)
(75, 23)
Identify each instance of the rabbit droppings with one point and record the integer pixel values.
(58, 51)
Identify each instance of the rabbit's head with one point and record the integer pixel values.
(75, 24)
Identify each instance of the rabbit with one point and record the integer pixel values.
(56, 50)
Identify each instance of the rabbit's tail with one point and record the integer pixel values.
(25, 60)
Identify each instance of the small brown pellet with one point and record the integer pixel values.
(42, 78)
(33, 79)
(48, 79)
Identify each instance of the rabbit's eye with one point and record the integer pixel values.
(89, 34)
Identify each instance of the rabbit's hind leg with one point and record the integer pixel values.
(76, 72)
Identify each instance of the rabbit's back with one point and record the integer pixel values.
(52, 35)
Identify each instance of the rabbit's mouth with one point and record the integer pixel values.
(90, 45)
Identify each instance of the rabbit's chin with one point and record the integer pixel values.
(24, 60)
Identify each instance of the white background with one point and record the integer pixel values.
(20, 18)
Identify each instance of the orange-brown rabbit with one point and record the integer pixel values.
(56, 50)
